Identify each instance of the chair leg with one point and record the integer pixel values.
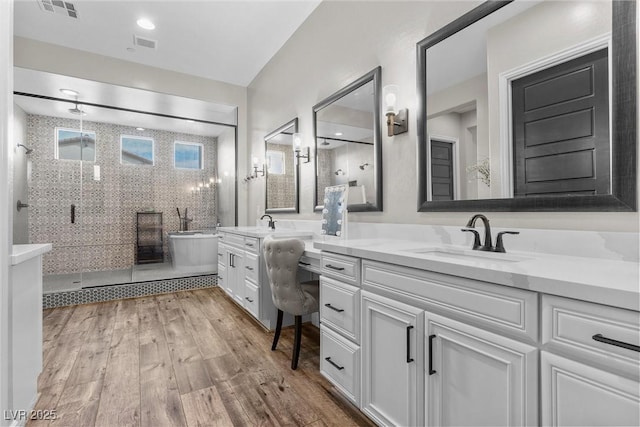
(296, 343)
(276, 337)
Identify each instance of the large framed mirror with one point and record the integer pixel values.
(282, 174)
(529, 106)
(348, 143)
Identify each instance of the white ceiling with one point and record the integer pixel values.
(228, 41)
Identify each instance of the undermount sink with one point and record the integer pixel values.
(468, 254)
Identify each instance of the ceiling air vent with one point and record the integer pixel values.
(59, 6)
(142, 42)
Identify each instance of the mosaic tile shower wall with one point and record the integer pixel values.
(104, 233)
(281, 189)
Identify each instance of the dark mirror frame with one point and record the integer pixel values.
(295, 209)
(623, 124)
(375, 76)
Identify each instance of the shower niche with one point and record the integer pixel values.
(100, 175)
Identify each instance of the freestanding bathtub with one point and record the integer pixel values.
(194, 251)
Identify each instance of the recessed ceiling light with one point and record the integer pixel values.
(338, 133)
(145, 23)
(140, 129)
(69, 92)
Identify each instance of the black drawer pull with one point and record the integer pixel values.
(431, 370)
(249, 244)
(339, 310)
(338, 367)
(219, 254)
(600, 338)
(248, 299)
(249, 268)
(333, 267)
(303, 263)
(409, 358)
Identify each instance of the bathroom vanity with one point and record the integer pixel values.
(242, 273)
(419, 334)
(25, 324)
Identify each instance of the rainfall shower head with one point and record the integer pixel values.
(27, 150)
(77, 111)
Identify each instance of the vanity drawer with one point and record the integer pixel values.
(252, 299)
(223, 250)
(340, 363)
(251, 245)
(222, 276)
(310, 264)
(341, 267)
(569, 326)
(340, 307)
(233, 240)
(252, 267)
(501, 309)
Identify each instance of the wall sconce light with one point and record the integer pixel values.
(256, 171)
(396, 119)
(297, 148)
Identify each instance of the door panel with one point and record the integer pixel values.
(441, 170)
(561, 129)
(478, 378)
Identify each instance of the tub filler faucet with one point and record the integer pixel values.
(184, 220)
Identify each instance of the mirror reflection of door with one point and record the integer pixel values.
(473, 76)
(442, 174)
(561, 129)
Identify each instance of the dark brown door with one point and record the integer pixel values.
(561, 129)
(441, 170)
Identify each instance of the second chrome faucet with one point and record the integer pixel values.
(487, 245)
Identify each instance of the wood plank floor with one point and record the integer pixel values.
(190, 358)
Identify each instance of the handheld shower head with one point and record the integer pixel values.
(27, 150)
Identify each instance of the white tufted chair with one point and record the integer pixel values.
(289, 295)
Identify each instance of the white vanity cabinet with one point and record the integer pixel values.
(590, 365)
(242, 274)
(392, 361)
(473, 376)
(475, 351)
(340, 323)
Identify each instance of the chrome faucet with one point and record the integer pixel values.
(272, 223)
(487, 246)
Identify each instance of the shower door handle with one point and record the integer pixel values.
(73, 214)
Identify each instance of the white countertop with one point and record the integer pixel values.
(609, 282)
(22, 253)
(263, 232)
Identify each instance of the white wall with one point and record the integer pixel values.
(6, 153)
(70, 62)
(341, 41)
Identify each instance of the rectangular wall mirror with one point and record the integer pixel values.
(528, 106)
(282, 174)
(347, 136)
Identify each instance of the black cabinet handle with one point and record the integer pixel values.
(600, 338)
(248, 299)
(431, 370)
(73, 214)
(219, 254)
(249, 244)
(333, 267)
(339, 310)
(409, 358)
(338, 367)
(249, 268)
(231, 258)
(303, 263)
